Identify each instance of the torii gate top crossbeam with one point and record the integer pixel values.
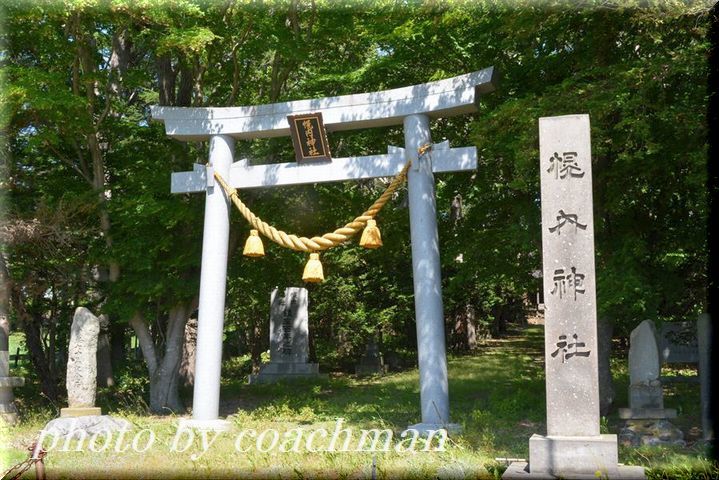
(443, 98)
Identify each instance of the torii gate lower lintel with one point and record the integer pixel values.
(413, 106)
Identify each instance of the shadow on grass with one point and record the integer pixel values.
(496, 394)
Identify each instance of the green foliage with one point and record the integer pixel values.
(129, 393)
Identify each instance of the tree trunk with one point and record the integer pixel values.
(164, 397)
(164, 373)
(464, 332)
(187, 365)
(4, 307)
(184, 93)
(118, 344)
(142, 331)
(256, 346)
(469, 319)
(119, 58)
(499, 326)
(33, 339)
(31, 325)
(166, 79)
(606, 383)
(105, 378)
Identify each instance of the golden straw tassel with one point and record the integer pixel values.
(313, 270)
(371, 238)
(253, 245)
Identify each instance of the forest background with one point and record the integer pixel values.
(87, 217)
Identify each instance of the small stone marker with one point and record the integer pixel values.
(678, 342)
(573, 446)
(646, 416)
(82, 418)
(371, 362)
(604, 350)
(8, 411)
(85, 427)
(645, 388)
(81, 379)
(289, 338)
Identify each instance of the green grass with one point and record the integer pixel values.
(496, 394)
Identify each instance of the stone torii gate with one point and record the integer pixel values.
(410, 106)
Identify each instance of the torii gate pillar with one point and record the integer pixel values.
(427, 276)
(213, 282)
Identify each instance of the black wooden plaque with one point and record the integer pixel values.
(309, 138)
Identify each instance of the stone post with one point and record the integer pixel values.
(215, 240)
(81, 378)
(573, 445)
(704, 339)
(289, 339)
(8, 411)
(427, 277)
(371, 362)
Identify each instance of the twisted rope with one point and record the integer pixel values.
(314, 244)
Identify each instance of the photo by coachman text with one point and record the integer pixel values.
(297, 440)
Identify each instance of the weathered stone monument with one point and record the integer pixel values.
(8, 411)
(289, 339)
(646, 399)
(82, 417)
(412, 107)
(371, 362)
(81, 379)
(647, 419)
(573, 446)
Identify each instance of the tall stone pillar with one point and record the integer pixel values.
(210, 324)
(427, 277)
(573, 446)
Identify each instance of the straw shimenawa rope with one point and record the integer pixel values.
(328, 240)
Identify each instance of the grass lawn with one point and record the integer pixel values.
(496, 394)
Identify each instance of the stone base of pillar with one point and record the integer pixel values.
(9, 418)
(9, 382)
(85, 426)
(520, 471)
(642, 413)
(8, 412)
(573, 457)
(365, 370)
(651, 431)
(286, 371)
(217, 425)
(566, 456)
(80, 411)
(425, 429)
